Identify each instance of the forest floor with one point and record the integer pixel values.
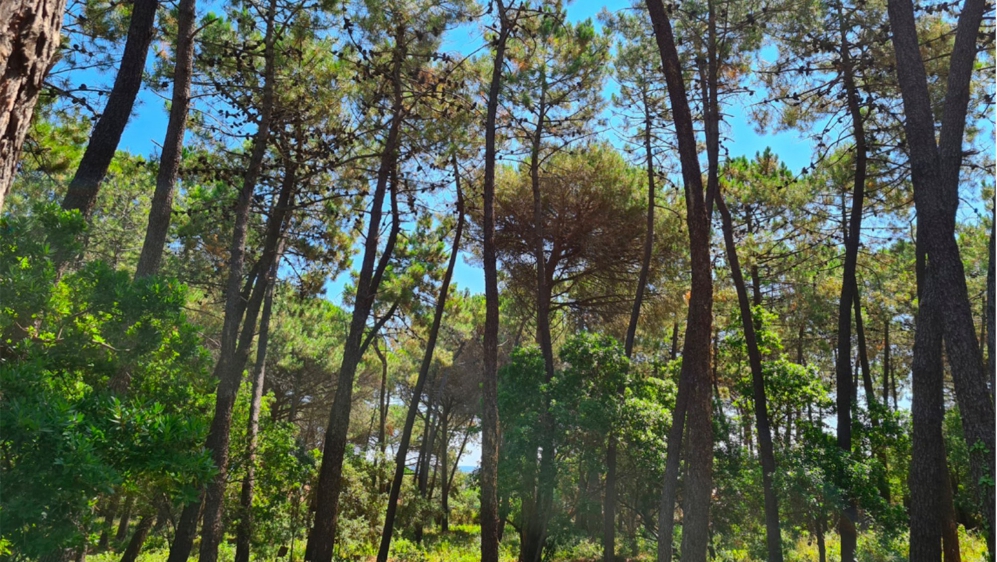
(461, 545)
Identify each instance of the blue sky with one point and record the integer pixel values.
(148, 124)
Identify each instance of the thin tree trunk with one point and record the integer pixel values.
(110, 512)
(444, 485)
(609, 503)
(82, 192)
(456, 461)
(886, 363)
(161, 209)
(228, 370)
(843, 367)
(382, 403)
(534, 528)
(950, 527)
(322, 537)
(489, 388)
(935, 176)
(29, 40)
(694, 396)
(991, 341)
(138, 539)
(245, 529)
(773, 534)
(126, 517)
(870, 393)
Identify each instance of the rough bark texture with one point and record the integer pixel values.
(322, 536)
(773, 534)
(935, 175)
(29, 40)
(413, 410)
(161, 209)
(82, 193)
(489, 385)
(234, 346)
(694, 398)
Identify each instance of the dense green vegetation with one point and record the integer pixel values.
(738, 298)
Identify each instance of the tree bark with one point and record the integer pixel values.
(138, 538)
(29, 41)
(991, 313)
(694, 396)
(161, 209)
(935, 176)
(126, 518)
(322, 537)
(234, 347)
(489, 388)
(245, 529)
(110, 512)
(773, 534)
(843, 366)
(83, 188)
(609, 503)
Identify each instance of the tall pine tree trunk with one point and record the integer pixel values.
(83, 188)
(935, 175)
(773, 534)
(694, 396)
(322, 536)
(161, 209)
(489, 385)
(245, 529)
(228, 369)
(845, 385)
(29, 41)
(609, 503)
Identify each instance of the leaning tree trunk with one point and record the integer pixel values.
(427, 361)
(138, 538)
(29, 41)
(321, 538)
(169, 161)
(244, 531)
(82, 192)
(935, 170)
(694, 398)
(221, 425)
(489, 385)
(773, 534)
(228, 370)
(126, 517)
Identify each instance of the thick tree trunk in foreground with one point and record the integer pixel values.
(234, 347)
(694, 398)
(935, 175)
(169, 161)
(413, 410)
(29, 41)
(773, 534)
(82, 192)
(322, 537)
(489, 385)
